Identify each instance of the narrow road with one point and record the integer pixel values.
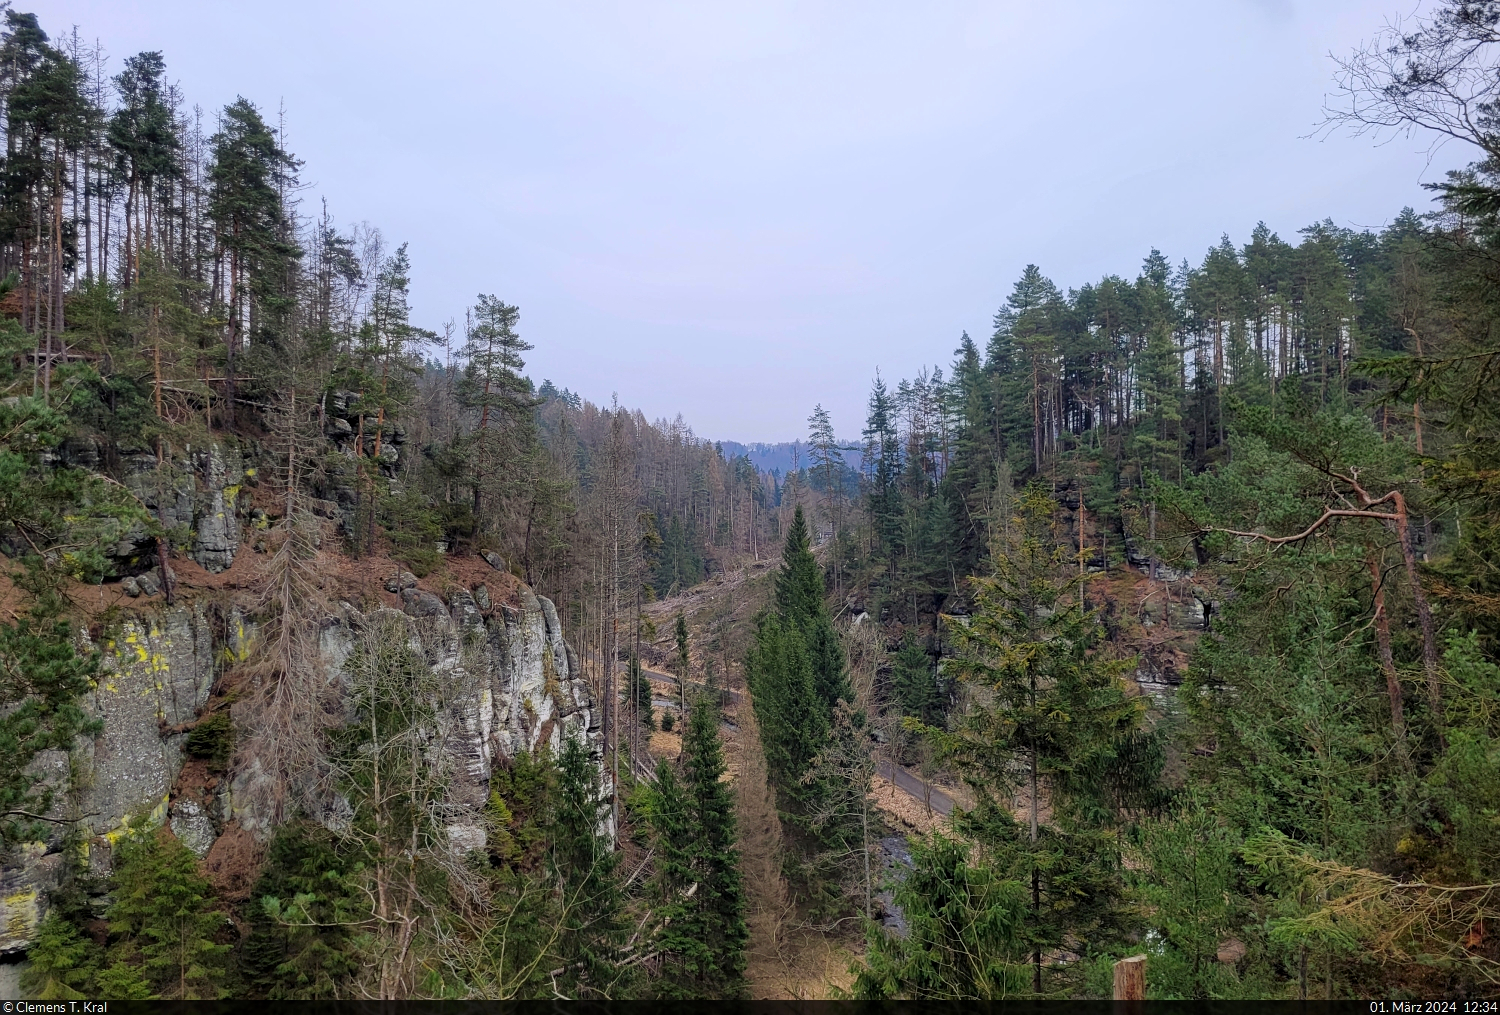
(911, 785)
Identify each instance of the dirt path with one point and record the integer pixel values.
(658, 677)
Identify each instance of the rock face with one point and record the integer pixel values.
(24, 883)
(504, 679)
(505, 682)
(354, 432)
(193, 827)
(157, 670)
(218, 531)
(193, 495)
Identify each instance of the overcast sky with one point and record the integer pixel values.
(737, 210)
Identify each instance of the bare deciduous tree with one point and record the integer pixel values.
(1438, 74)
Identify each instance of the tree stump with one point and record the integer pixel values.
(1130, 979)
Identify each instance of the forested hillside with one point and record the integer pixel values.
(343, 660)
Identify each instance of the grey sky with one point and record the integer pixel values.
(736, 210)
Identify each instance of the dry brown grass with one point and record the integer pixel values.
(666, 745)
(903, 810)
(809, 966)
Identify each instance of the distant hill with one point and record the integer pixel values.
(778, 458)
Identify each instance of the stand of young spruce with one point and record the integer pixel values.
(795, 670)
(164, 924)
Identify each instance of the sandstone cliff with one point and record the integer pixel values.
(507, 680)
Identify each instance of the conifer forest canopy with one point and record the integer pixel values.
(341, 658)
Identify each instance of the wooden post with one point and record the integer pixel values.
(1130, 979)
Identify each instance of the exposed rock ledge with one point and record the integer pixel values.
(507, 683)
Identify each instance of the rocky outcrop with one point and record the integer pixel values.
(504, 678)
(192, 494)
(193, 827)
(216, 536)
(156, 672)
(24, 884)
(506, 683)
(355, 433)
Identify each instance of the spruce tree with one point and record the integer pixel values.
(584, 864)
(640, 693)
(684, 659)
(826, 459)
(165, 920)
(965, 937)
(882, 466)
(842, 814)
(669, 814)
(304, 917)
(1051, 716)
(62, 962)
(801, 603)
(914, 680)
(1190, 880)
(699, 883)
(795, 671)
(793, 721)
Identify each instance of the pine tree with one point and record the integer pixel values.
(247, 178)
(47, 120)
(148, 149)
(1020, 362)
(490, 384)
(492, 353)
